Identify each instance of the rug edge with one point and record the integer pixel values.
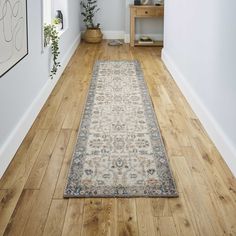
(139, 74)
(121, 196)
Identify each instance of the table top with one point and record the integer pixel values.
(145, 6)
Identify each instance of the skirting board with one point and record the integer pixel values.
(137, 36)
(217, 135)
(126, 37)
(15, 139)
(113, 34)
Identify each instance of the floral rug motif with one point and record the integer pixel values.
(119, 151)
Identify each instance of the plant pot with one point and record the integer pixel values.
(93, 35)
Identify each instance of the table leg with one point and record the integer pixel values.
(132, 28)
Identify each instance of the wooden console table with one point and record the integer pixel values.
(144, 11)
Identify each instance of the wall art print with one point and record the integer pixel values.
(13, 33)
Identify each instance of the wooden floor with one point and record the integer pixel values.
(31, 191)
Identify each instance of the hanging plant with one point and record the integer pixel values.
(51, 37)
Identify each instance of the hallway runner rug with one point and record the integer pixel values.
(119, 150)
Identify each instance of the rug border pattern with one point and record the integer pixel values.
(84, 127)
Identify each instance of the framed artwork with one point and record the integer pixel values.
(13, 33)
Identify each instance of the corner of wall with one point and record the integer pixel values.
(220, 139)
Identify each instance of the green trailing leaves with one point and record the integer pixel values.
(51, 37)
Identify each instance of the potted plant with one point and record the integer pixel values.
(51, 38)
(93, 32)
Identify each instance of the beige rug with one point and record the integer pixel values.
(119, 151)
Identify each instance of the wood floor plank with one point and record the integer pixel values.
(167, 226)
(74, 218)
(8, 203)
(213, 202)
(92, 222)
(222, 199)
(183, 222)
(79, 112)
(53, 105)
(40, 166)
(56, 217)
(21, 213)
(99, 217)
(213, 168)
(27, 152)
(38, 216)
(2, 193)
(71, 115)
(61, 182)
(160, 207)
(14, 191)
(64, 107)
(146, 225)
(127, 217)
(110, 219)
(194, 201)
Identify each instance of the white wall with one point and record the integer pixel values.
(25, 88)
(200, 52)
(111, 15)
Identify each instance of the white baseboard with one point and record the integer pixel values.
(158, 37)
(113, 34)
(220, 139)
(110, 34)
(9, 148)
(127, 38)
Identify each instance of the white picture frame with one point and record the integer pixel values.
(13, 33)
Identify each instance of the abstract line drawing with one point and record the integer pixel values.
(13, 33)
